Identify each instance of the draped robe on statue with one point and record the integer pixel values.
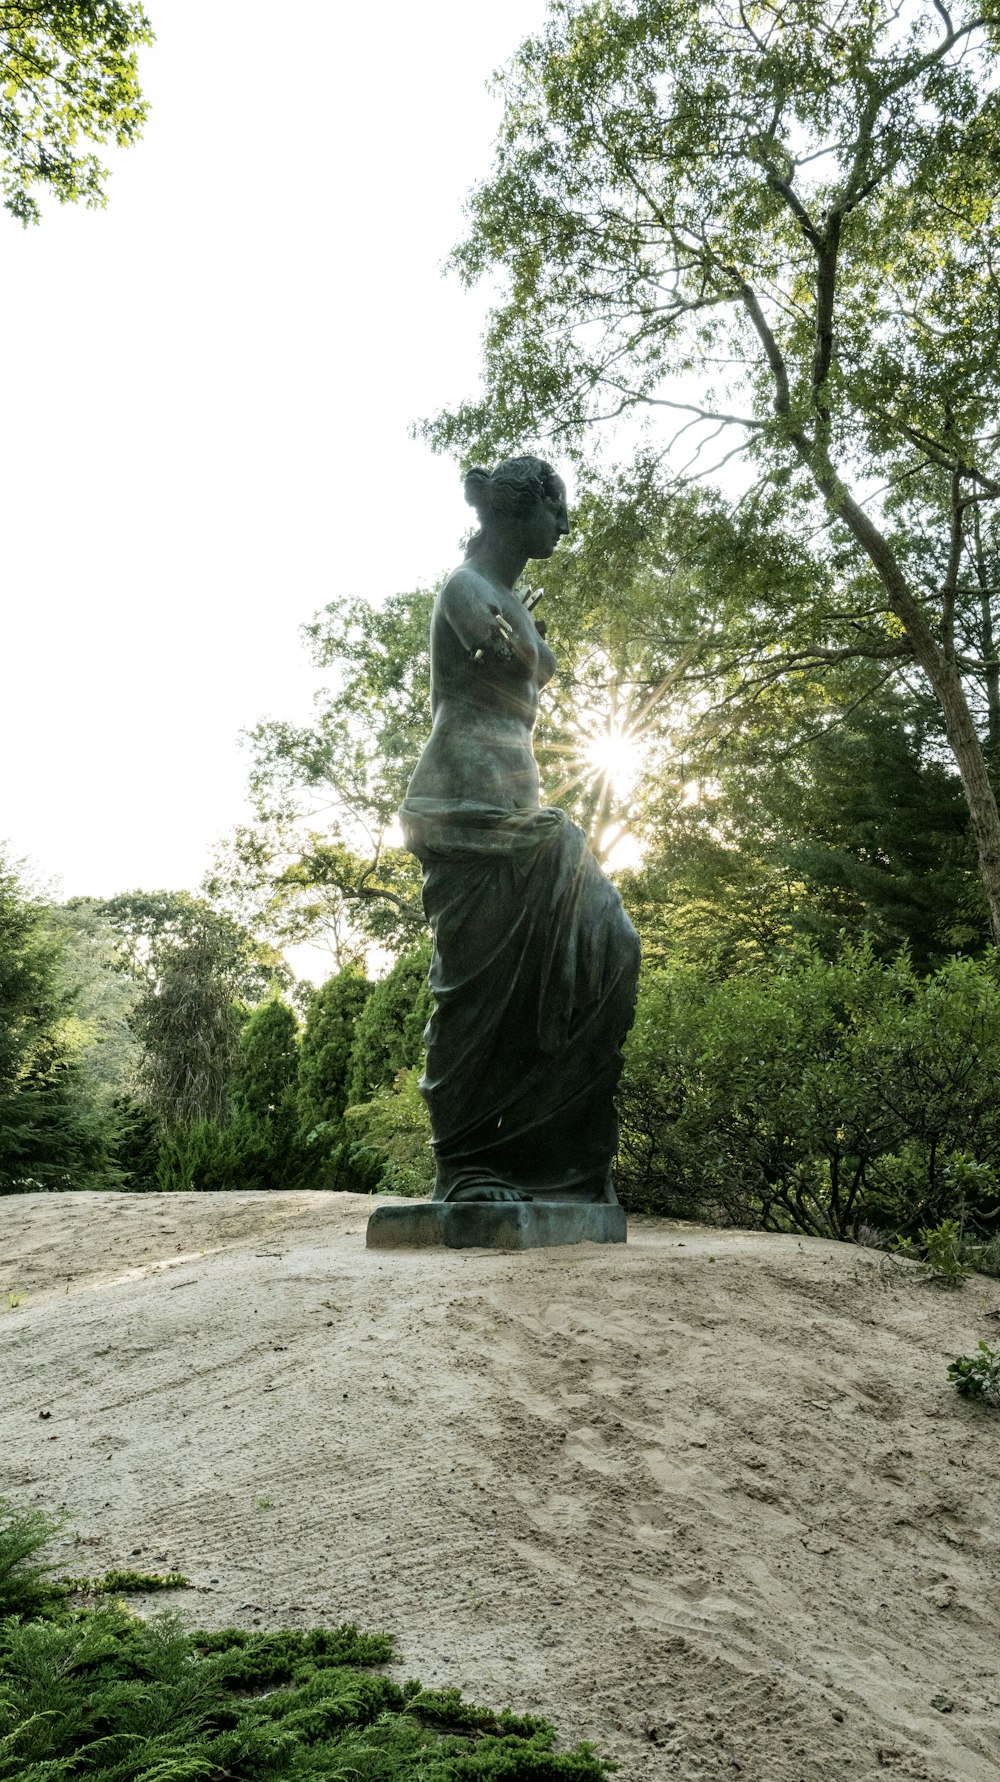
(533, 978)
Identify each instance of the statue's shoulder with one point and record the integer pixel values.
(464, 589)
(463, 581)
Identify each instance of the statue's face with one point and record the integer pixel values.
(547, 522)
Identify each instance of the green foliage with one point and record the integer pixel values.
(327, 1044)
(329, 1157)
(99, 999)
(125, 1583)
(984, 1258)
(389, 1036)
(942, 1249)
(869, 820)
(152, 927)
(794, 205)
(101, 1693)
(658, 170)
(395, 1127)
(268, 1061)
(68, 69)
(264, 1095)
(27, 1587)
(136, 1143)
(362, 1123)
(55, 1132)
(214, 1157)
(817, 1096)
(978, 1376)
(858, 831)
(341, 879)
(189, 1027)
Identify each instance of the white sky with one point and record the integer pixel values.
(207, 391)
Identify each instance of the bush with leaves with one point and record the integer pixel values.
(56, 1130)
(978, 1376)
(323, 1077)
(264, 1096)
(821, 1097)
(943, 1260)
(395, 1128)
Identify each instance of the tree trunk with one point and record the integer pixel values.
(943, 674)
(988, 647)
(968, 752)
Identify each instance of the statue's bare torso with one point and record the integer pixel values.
(488, 664)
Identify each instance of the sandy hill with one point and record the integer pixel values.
(707, 1500)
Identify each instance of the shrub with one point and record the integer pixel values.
(324, 1068)
(264, 1128)
(978, 1376)
(26, 1581)
(54, 1129)
(395, 1129)
(944, 1261)
(825, 1096)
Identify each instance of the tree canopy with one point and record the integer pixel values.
(68, 70)
(779, 223)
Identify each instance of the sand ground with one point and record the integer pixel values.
(706, 1500)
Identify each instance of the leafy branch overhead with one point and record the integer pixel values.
(68, 71)
(322, 857)
(773, 233)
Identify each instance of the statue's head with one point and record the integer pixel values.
(522, 495)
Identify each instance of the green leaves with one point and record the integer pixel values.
(777, 226)
(68, 69)
(817, 1096)
(654, 161)
(978, 1376)
(102, 1693)
(322, 859)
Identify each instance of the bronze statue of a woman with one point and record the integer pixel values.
(535, 962)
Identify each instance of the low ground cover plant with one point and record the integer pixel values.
(978, 1376)
(98, 1692)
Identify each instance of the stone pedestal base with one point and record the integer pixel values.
(494, 1225)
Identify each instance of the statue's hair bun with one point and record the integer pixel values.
(477, 484)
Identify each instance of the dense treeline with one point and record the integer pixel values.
(147, 1042)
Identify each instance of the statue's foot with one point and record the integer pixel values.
(477, 1193)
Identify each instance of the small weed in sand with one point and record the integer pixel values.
(14, 1299)
(943, 1261)
(127, 1583)
(264, 1503)
(978, 1376)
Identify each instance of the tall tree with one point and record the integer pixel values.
(55, 1130)
(327, 1044)
(797, 203)
(189, 1026)
(68, 70)
(389, 1032)
(263, 1139)
(150, 926)
(857, 829)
